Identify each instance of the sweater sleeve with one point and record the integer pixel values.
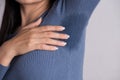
(80, 6)
(3, 70)
(77, 14)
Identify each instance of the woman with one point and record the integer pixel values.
(34, 49)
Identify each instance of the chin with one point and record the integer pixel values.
(28, 1)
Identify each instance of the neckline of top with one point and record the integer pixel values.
(41, 16)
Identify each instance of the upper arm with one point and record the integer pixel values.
(80, 6)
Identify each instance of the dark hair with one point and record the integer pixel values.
(11, 19)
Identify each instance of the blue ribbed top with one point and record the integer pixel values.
(66, 63)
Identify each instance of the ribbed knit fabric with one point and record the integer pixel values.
(66, 63)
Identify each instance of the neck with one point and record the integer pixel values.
(29, 12)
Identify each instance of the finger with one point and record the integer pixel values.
(34, 24)
(54, 35)
(45, 47)
(48, 41)
(53, 42)
(50, 28)
(49, 35)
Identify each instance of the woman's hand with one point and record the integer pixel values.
(32, 37)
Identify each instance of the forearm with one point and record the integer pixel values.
(5, 57)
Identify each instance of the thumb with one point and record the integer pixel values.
(34, 24)
(37, 23)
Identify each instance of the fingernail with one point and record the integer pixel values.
(68, 36)
(64, 43)
(40, 19)
(62, 28)
(56, 48)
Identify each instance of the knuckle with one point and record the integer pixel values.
(35, 24)
(55, 27)
(41, 46)
(58, 42)
(31, 35)
(54, 41)
(62, 35)
(46, 40)
(49, 33)
(30, 41)
(28, 38)
(46, 28)
(59, 35)
(51, 48)
(41, 28)
(33, 30)
(28, 45)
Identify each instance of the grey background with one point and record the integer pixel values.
(102, 57)
(2, 4)
(102, 54)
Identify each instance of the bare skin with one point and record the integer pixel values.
(30, 36)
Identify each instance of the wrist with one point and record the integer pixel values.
(8, 51)
(5, 57)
